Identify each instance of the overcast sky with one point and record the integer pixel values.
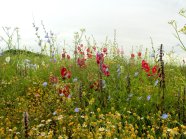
(135, 20)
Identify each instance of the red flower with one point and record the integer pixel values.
(154, 69)
(81, 62)
(104, 50)
(65, 91)
(132, 55)
(65, 73)
(94, 48)
(105, 70)
(68, 56)
(95, 86)
(88, 50)
(139, 54)
(89, 55)
(99, 58)
(63, 55)
(79, 48)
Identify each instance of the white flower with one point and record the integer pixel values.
(7, 59)
(136, 74)
(75, 80)
(156, 83)
(54, 113)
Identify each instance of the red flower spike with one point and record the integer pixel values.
(145, 66)
(81, 62)
(99, 58)
(65, 73)
(105, 70)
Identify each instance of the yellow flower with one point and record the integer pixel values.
(71, 123)
(91, 101)
(101, 129)
(16, 137)
(60, 137)
(98, 109)
(133, 136)
(108, 134)
(2, 131)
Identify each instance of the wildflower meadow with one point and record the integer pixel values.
(90, 91)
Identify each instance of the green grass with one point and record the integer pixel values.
(119, 110)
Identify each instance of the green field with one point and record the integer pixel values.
(91, 95)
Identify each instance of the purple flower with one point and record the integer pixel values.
(148, 97)
(164, 116)
(45, 84)
(76, 110)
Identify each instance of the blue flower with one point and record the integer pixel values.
(148, 97)
(76, 110)
(45, 84)
(164, 116)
